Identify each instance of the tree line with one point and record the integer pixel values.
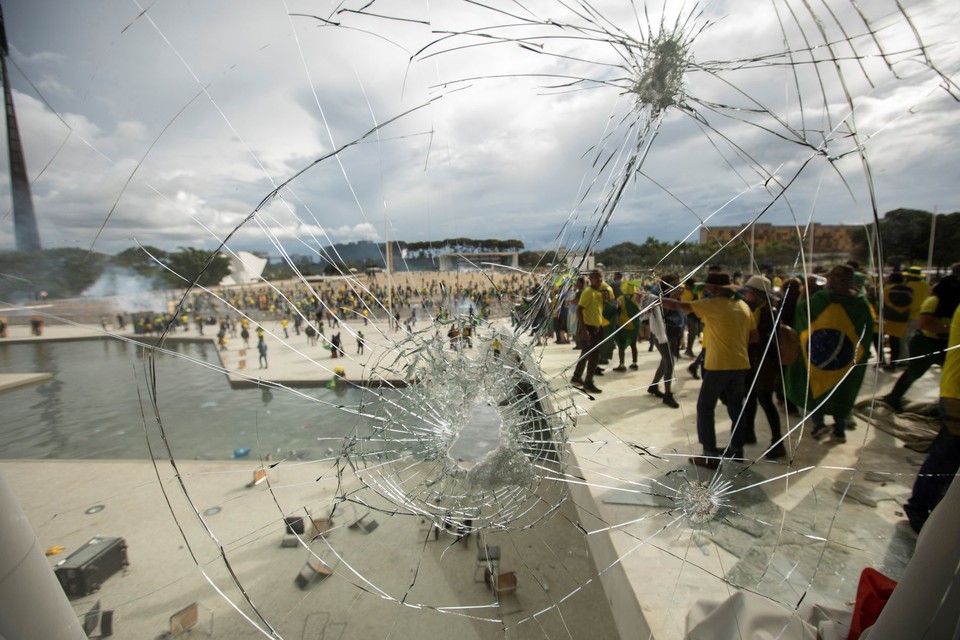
(904, 238)
(69, 271)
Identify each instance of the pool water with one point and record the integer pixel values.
(98, 400)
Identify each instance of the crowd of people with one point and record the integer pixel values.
(310, 306)
(797, 345)
(783, 344)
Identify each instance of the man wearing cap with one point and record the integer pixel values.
(765, 374)
(835, 330)
(729, 328)
(590, 323)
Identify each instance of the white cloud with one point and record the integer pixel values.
(505, 156)
(362, 231)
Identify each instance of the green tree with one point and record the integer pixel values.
(196, 265)
(946, 246)
(62, 273)
(905, 238)
(138, 259)
(530, 259)
(278, 271)
(905, 234)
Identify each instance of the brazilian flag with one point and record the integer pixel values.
(897, 299)
(835, 336)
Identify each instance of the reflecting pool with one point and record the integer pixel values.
(96, 403)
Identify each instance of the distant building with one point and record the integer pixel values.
(584, 262)
(245, 268)
(827, 238)
(479, 260)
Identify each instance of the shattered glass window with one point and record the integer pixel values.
(410, 456)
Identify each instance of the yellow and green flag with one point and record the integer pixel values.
(835, 337)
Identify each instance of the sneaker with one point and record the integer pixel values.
(693, 371)
(776, 452)
(604, 361)
(669, 401)
(654, 391)
(736, 454)
(839, 438)
(598, 371)
(704, 461)
(576, 380)
(819, 431)
(591, 388)
(634, 366)
(620, 368)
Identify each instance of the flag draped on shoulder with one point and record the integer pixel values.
(834, 337)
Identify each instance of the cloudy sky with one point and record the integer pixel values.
(168, 123)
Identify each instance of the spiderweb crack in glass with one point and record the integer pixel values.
(776, 111)
(659, 83)
(702, 501)
(453, 390)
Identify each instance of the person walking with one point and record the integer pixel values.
(835, 328)
(729, 327)
(590, 331)
(928, 345)
(262, 350)
(667, 328)
(765, 370)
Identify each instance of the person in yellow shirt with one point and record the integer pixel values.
(943, 459)
(729, 328)
(590, 323)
